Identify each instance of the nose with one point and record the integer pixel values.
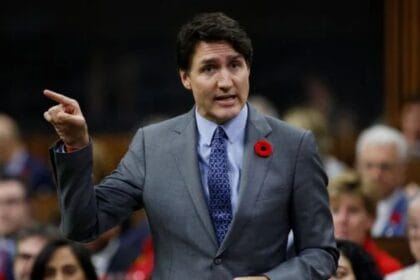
(375, 173)
(224, 81)
(340, 217)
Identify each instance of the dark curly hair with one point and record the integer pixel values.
(364, 267)
(211, 27)
(81, 254)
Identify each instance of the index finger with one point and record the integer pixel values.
(57, 97)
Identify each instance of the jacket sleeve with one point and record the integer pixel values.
(87, 210)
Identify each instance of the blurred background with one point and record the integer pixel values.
(117, 58)
(355, 61)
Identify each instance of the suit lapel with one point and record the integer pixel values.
(252, 176)
(185, 153)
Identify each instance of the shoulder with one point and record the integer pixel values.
(409, 272)
(275, 125)
(177, 123)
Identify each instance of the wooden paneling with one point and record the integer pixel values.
(402, 54)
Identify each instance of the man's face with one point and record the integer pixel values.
(351, 219)
(380, 165)
(13, 207)
(219, 80)
(26, 252)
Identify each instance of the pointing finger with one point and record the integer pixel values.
(59, 98)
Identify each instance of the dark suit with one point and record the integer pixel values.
(160, 172)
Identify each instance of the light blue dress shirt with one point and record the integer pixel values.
(235, 131)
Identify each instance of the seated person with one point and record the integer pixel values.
(353, 206)
(29, 243)
(413, 232)
(63, 259)
(355, 263)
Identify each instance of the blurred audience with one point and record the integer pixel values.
(381, 155)
(15, 159)
(116, 252)
(353, 207)
(413, 232)
(311, 119)
(14, 215)
(29, 243)
(341, 120)
(355, 263)
(63, 259)
(263, 105)
(410, 125)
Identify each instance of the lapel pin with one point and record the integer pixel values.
(263, 148)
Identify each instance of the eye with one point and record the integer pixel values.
(354, 210)
(69, 269)
(236, 64)
(209, 68)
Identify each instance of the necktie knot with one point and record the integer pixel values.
(219, 134)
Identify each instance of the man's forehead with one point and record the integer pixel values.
(214, 50)
(379, 150)
(32, 240)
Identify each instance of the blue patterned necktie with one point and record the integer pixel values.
(220, 206)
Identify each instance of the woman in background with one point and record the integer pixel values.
(355, 263)
(63, 259)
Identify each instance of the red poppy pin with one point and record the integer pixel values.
(395, 218)
(263, 148)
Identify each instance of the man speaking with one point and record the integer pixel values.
(222, 185)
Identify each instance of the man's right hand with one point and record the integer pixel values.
(68, 120)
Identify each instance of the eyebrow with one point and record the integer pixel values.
(213, 60)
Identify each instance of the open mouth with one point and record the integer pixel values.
(225, 99)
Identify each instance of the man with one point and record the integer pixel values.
(381, 154)
(15, 159)
(219, 207)
(29, 243)
(14, 215)
(413, 233)
(410, 125)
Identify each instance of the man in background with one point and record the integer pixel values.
(15, 159)
(29, 243)
(381, 155)
(14, 215)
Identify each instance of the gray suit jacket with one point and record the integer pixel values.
(160, 172)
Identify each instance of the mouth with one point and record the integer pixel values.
(225, 100)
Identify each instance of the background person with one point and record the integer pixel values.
(29, 243)
(355, 263)
(63, 259)
(413, 233)
(381, 157)
(353, 206)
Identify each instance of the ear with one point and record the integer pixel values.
(185, 79)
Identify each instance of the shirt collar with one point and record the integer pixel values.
(234, 128)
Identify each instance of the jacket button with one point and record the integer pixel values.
(217, 261)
